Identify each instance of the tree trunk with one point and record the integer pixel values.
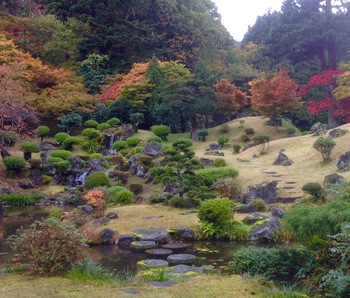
(193, 122)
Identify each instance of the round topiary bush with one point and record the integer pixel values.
(324, 145)
(249, 131)
(64, 154)
(42, 131)
(219, 162)
(202, 134)
(103, 126)
(119, 145)
(161, 131)
(70, 141)
(96, 179)
(113, 121)
(222, 140)
(154, 139)
(28, 148)
(91, 133)
(51, 246)
(14, 165)
(61, 137)
(236, 148)
(216, 211)
(136, 188)
(95, 155)
(133, 141)
(123, 197)
(91, 123)
(177, 202)
(314, 189)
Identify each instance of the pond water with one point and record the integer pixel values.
(215, 253)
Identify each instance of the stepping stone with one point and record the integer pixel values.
(184, 269)
(151, 263)
(131, 291)
(124, 241)
(142, 246)
(288, 187)
(153, 217)
(182, 259)
(242, 160)
(289, 182)
(177, 247)
(161, 283)
(149, 231)
(160, 238)
(287, 199)
(269, 172)
(277, 176)
(158, 253)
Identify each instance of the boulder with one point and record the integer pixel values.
(331, 180)
(182, 259)
(206, 161)
(248, 147)
(282, 159)
(337, 133)
(213, 147)
(124, 241)
(278, 212)
(317, 127)
(112, 215)
(245, 208)
(142, 246)
(108, 236)
(253, 218)
(173, 188)
(152, 263)
(86, 209)
(265, 191)
(183, 233)
(343, 162)
(265, 230)
(153, 149)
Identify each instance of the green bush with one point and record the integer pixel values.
(133, 141)
(216, 211)
(259, 204)
(103, 126)
(54, 159)
(244, 138)
(90, 145)
(64, 154)
(29, 146)
(95, 155)
(61, 137)
(8, 138)
(136, 188)
(35, 163)
(202, 134)
(305, 221)
(20, 200)
(315, 190)
(117, 160)
(161, 131)
(51, 246)
(177, 202)
(42, 131)
(91, 123)
(154, 139)
(14, 165)
(96, 179)
(249, 131)
(291, 130)
(219, 162)
(210, 175)
(111, 191)
(113, 121)
(282, 264)
(70, 141)
(123, 197)
(46, 180)
(224, 128)
(91, 133)
(119, 145)
(324, 145)
(222, 140)
(236, 148)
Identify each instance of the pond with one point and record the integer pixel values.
(215, 253)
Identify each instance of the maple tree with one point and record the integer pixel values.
(230, 98)
(337, 101)
(274, 96)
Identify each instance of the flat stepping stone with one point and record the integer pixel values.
(152, 263)
(161, 283)
(150, 231)
(152, 217)
(184, 269)
(287, 199)
(124, 241)
(160, 238)
(288, 187)
(131, 291)
(158, 253)
(142, 246)
(242, 160)
(269, 172)
(182, 259)
(277, 176)
(289, 182)
(177, 247)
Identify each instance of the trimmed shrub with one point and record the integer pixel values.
(222, 140)
(46, 180)
(95, 155)
(177, 202)
(161, 131)
(8, 138)
(117, 160)
(282, 264)
(42, 131)
(119, 145)
(96, 179)
(291, 130)
(224, 128)
(202, 134)
(70, 141)
(35, 163)
(315, 190)
(51, 246)
(136, 188)
(103, 126)
(91, 123)
(90, 145)
(244, 138)
(20, 200)
(154, 139)
(259, 204)
(145, 160)
(324, 145)
(216, 211)
(64, 154)
(54, 159)
(14, 165)
(29, 146)
(111, 191)
(236, 148)
(61, 137)
(91, 133)
(123, 197)
(249, 131)
(219, 162)
(133, 141)
(261, 142)
(210, 175)
(113, 121)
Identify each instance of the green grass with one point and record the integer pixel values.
(20, 200)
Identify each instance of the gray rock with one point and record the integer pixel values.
(112, 215)
(265, 191)
(267, 231)
(152, 263)
(160, 238)
(331, 180)
(213, 147)
(206, 161)
(142, 246)
(124, 241)
(282, 159)
(245, 208)
(278, 212)
(336, 133)
(343, 162)
(86, 209)
(183, 233)
(108, 236)
(172, 188)
(182, 259)
(248, 147)
(253, 218)
(153, 149)
(317, 127)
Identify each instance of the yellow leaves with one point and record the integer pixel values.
(342, 92)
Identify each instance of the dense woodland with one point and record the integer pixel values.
(172, 62)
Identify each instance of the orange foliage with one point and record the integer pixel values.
(95, 198)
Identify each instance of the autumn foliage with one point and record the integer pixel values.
(274, 96)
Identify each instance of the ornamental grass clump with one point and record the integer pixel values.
(50, 246)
